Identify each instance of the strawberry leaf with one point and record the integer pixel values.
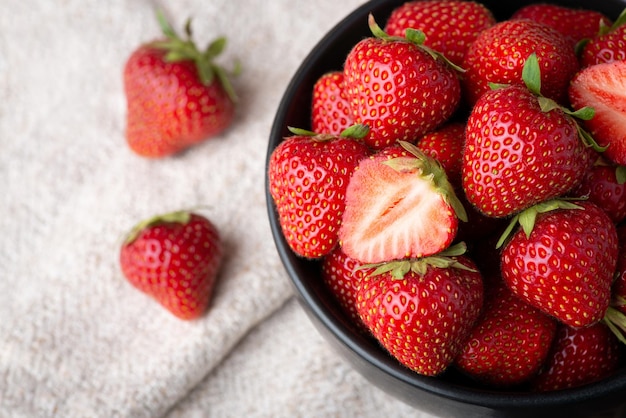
(616, 321)
(620, 174)
(531, 74)
(526, 218)
(357, 131)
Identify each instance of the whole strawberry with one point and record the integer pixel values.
(398, 87)
(575, 23)
(398, 208)
(562, 260)
(521, 149)
(603, 88)
(330, 110)
(308, 175)
(499, 53)
(174, 258)
(450, 26)
(509, 343)
(578, 357)
(608, 45)
(422, 311)
(176, 95)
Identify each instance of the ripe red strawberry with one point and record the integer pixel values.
(499, 53)
(520, 149)
(605, 185)
(308, 175)
(343, 276)
(575, 23)
(619, 285)
(564, 263)
(422, 313)
(399, 208)
(603, 87)
(174, 258)
(608, 45)
(446, 144)
(450, 26)
(398, 88)
(177, 96)
(579, 356)
(509, 343)
(330, 112)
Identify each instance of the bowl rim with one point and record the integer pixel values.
(489, 398)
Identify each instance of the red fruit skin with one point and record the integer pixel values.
(398, 90)
(450, 26)
(605, 48)
(565, 268)
(619, 285)
(575, 23)
(422, 321)
(330, 112)
(517, 155)
(499, 53)
(342, 275)
(578, 357)
(603, 87)
(509, 343)
(168, 108)
(176, 264)
(307, 181)
(600, 186)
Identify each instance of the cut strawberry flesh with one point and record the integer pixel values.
(394, 214)
(603, 87)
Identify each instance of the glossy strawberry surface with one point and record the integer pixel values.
(175, 260)
(517, 155)
(308, 177)
(565, 266)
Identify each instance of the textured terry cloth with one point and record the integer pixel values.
(76, 340)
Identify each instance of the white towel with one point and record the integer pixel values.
(76, 340)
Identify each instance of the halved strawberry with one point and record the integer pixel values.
(399, 208)
(603, 87)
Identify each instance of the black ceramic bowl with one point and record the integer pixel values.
(449, 395)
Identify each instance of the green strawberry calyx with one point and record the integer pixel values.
(443, 260)
(615, 320)
(431, 170)
(414, 36)
(531, 75)
(179, 49)
(181, 217)
(356, 131)
(526, 218)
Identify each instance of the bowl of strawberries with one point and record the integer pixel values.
(446, 188)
